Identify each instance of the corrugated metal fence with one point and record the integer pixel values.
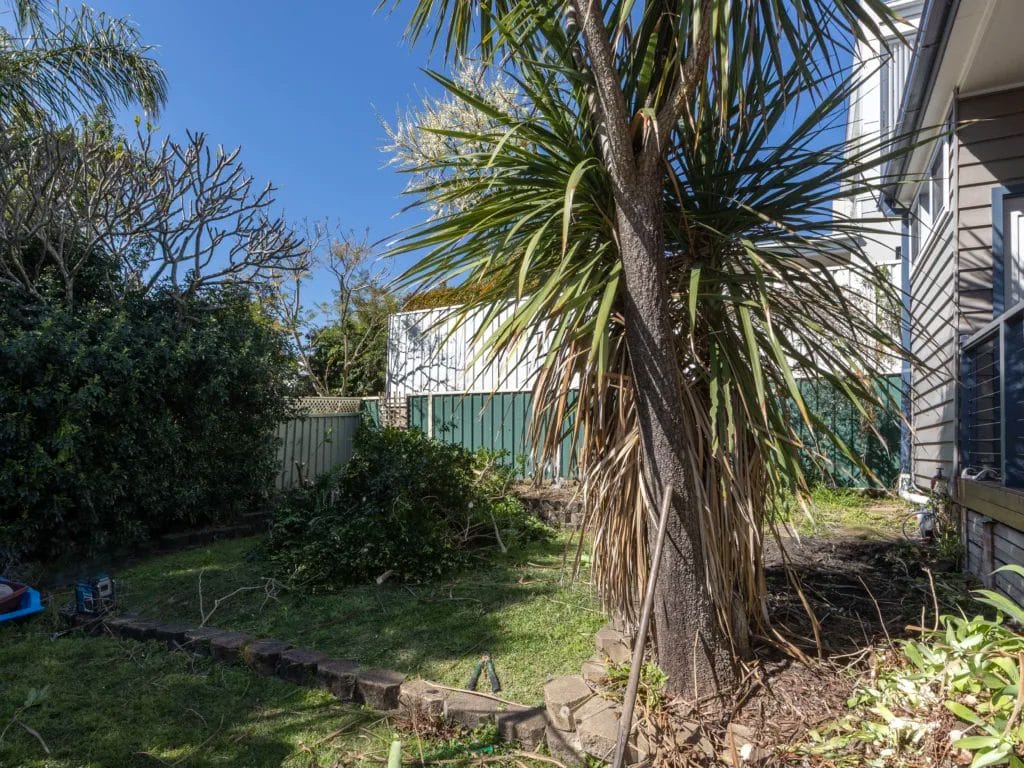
(495, 422)
(882, 457)
(322, 439)
(317, 441)
(500, 422)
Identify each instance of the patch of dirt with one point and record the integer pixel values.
(861, 591)
(864, 594)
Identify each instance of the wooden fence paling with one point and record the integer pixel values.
(312, 445)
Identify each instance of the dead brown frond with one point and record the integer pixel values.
(729, 479)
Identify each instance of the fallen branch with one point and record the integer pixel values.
(481, 694)
(270, 586)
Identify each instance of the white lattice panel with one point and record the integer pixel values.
(328, 406)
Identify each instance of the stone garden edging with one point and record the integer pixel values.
(575, 720)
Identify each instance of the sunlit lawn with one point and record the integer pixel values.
(108, 704)
(122, 703)
(523, 608)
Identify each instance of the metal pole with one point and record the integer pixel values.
(628, 703)
(430, 414)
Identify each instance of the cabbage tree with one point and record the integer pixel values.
(658, 202)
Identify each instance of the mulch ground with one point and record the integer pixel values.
(864, 595)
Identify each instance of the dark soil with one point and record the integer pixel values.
(861, 592)
(864, 595)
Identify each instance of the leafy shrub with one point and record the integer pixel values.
(970, 667)
(405, 505)
(120, 420)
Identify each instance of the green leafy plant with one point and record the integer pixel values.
(123, 420)
(969, 667)
(404, 507)
(58, 61)
(650, 689)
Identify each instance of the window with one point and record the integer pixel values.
(1013, 248)
(893, 72)
(931, 200)
(914, 245)
(937, 181)
(922, 218)
(924, 204)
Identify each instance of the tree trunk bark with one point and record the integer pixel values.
(692, 648)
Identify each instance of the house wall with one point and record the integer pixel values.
(430, 351)
(933, 335)
(993, 518)
(990, 155)
(881, 67)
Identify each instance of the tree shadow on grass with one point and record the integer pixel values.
(136, 704)
(522, 607)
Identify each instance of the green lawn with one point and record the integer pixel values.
(110, 704)
(121, 703)
(521, 607)
(852, 514)
(136, 704)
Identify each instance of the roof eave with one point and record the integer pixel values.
(933, 35)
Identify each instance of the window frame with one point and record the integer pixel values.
(932, 199)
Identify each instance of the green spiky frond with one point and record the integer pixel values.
(61, 64)
(751, 243)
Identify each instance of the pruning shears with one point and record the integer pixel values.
(492, 675)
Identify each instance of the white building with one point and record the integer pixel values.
(429, 352)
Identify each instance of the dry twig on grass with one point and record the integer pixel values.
(270, 586)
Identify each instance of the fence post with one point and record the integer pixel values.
(430, 414)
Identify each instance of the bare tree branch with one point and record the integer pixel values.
(181, 216)
(331, 338)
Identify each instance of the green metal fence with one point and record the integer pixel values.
(371, 410)
(313, 444)
(500, 422)
(495, 422)
(881, 456)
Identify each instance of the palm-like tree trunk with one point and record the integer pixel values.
(691, 648)
(649, 77)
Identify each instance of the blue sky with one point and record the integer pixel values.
(299, 86)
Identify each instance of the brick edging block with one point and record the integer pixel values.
(262, 656)
(380, 689)
(299, 666)
(227, 646)
(339, 677)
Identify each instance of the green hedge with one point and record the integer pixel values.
(126, 419)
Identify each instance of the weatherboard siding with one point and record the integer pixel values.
(430, 351)
(990, 157)
(933, 340)
(994, 516)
